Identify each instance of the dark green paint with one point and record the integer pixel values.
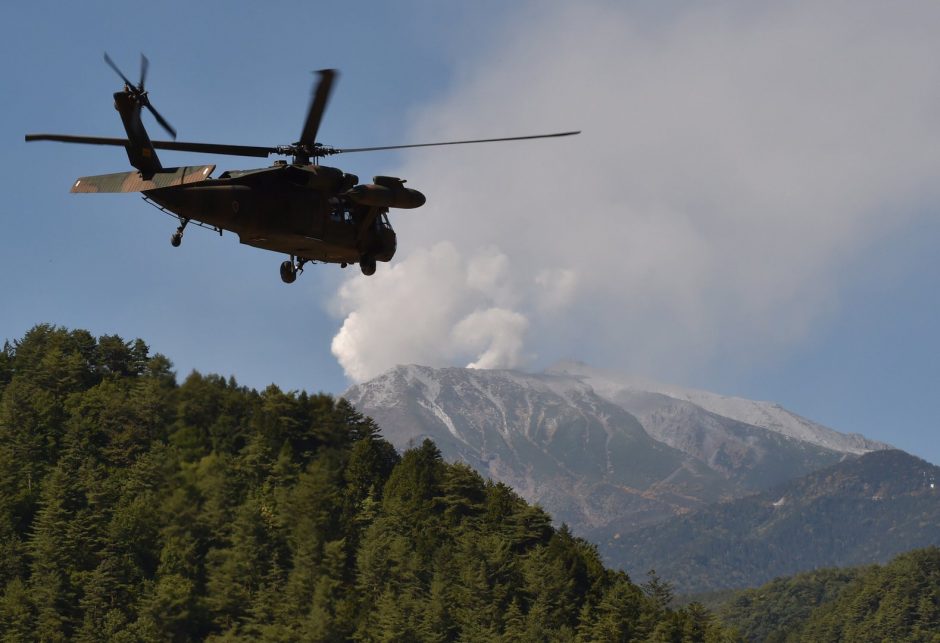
(311, 212)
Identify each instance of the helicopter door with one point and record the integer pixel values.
(382, 223)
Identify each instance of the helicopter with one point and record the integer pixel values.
(310, 212)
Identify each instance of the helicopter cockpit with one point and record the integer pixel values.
(341, 215)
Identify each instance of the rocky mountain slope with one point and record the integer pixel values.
(605, 463)
(551, 438)
(630, 391)
(864, 510)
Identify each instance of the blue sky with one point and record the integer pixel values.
(747, 211)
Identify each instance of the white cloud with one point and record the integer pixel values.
(555, 288)
(734, 158)
(489, 273)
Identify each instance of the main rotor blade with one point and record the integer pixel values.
(479, 140)
(161, 120)
(111, 64)
(255, 150)
(308, 136)
(206, 148)
(87, 140)
(144, 64)
(216, 148)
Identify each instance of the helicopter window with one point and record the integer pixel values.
(382, 222)
(347, 216)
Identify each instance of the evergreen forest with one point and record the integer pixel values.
(899, 601)
(136, 508)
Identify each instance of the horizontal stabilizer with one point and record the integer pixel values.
(135, 182)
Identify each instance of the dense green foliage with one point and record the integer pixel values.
(134, 508)
(772, 612)
(899, 601)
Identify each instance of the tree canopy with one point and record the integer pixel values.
(899, 601)
(135, 508)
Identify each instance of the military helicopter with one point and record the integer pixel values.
(310, 212)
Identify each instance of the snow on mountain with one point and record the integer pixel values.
(555, 441)
(753, 457)
(600, 451)
(767, 415)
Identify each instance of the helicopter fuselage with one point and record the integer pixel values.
(307, 211)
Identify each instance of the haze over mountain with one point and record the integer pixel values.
(863, 510)
(602, 454)
(634, 393)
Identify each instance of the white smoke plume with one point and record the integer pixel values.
(435, 308)
(736, 159)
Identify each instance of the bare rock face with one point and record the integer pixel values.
(602, 457)
(640, 396)
(551, 438)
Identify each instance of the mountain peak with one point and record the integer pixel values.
(768, 415)
(595, 448)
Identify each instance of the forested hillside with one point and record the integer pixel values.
(133, 508)
(899, 601)
(863, 510)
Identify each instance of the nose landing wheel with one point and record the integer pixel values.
(367, 265)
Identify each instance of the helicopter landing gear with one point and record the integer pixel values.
(177, 238)
(367, 265)
(288, 272)
(290, 269)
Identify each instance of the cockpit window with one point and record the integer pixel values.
(342, 216)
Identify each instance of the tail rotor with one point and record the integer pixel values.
(139, 93)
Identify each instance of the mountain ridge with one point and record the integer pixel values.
(542, 435)
(768, 415)
(859, 511)
(595, 462)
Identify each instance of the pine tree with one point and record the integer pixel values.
(415, 482)
(133, 509)
(329, 616)
(658, 590)
(6, 365)
(438, 621)
(16, 612)
(463, 493)
(514, 629)
(31, 428)
(238, 572)
(58, 548)
(114, 356)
